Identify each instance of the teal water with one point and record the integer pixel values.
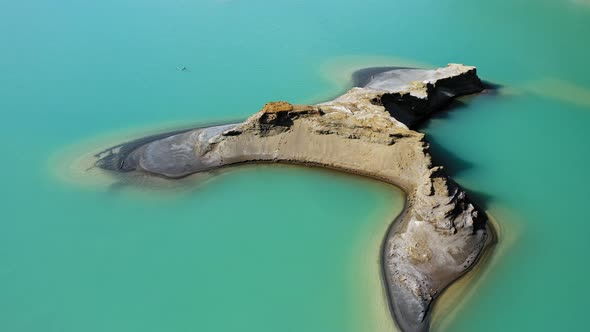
(267, 249)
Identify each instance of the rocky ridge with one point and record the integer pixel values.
(366, 131)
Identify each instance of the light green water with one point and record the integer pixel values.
(279, 248)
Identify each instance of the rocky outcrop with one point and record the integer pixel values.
(440, 234)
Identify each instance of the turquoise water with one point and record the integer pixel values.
(529, 167)
(275, 248)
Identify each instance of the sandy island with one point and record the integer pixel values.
(439, 235)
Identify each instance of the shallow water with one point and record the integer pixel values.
(266, 249)
(245, 250)
(537, 182)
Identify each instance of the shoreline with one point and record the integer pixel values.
(370, 293)
(383, 261)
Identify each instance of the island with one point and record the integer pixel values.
(368, 131)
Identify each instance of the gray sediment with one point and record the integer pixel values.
(367, 131)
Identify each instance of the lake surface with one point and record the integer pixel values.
(279, 248)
